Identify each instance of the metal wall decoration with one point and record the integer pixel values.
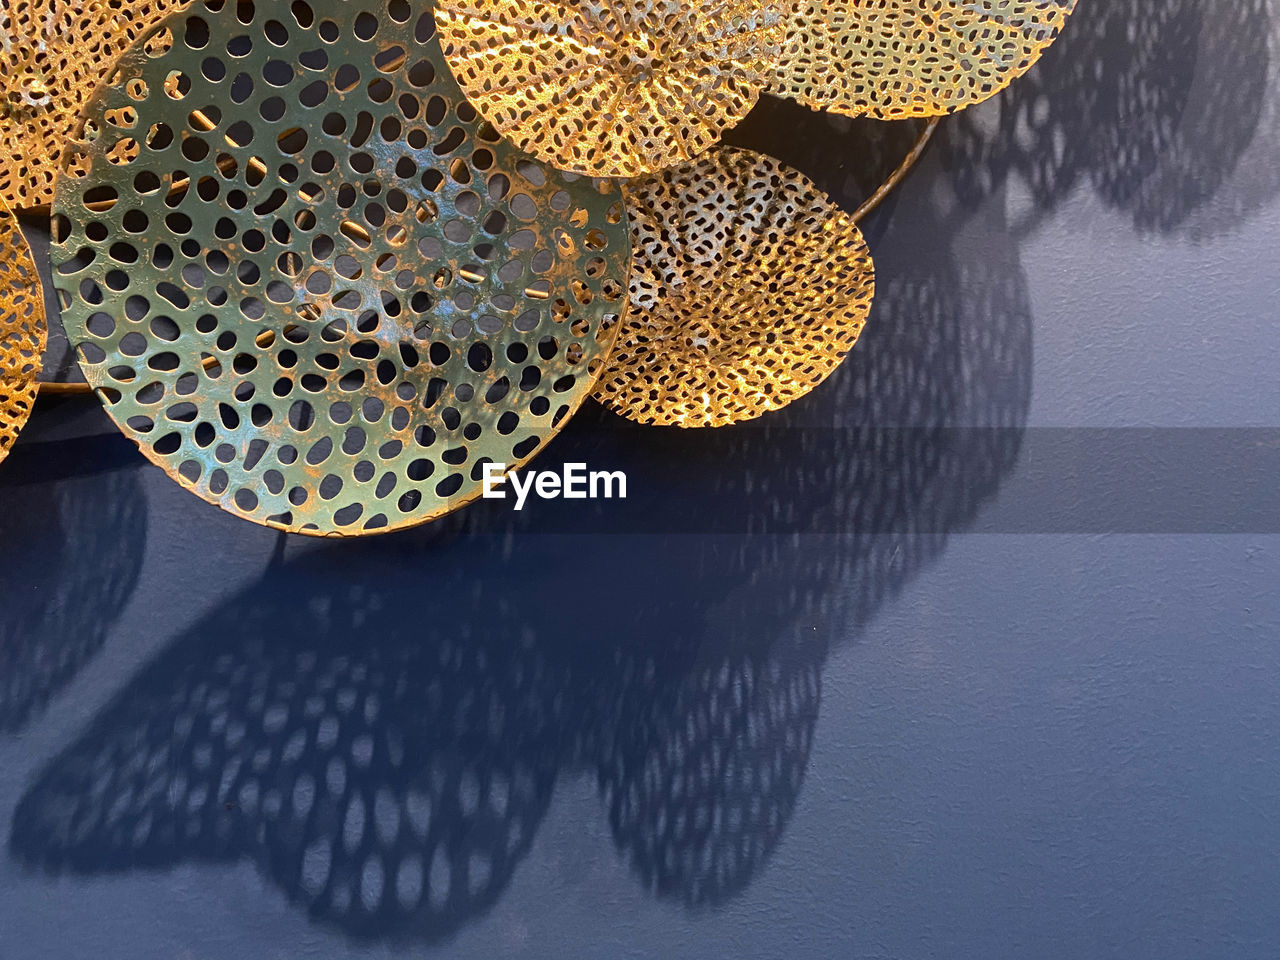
(326, 263)
(52, 55)
(311, 284)
(22, 330)
(911, 58)
(749, 289)
(612, 89)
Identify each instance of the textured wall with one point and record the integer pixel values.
(907, 739)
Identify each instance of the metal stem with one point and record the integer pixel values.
(899, 174)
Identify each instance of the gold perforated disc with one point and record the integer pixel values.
(911, 58)
(311, 283)
(52, 55)
(612, 87)
(748, 289)
(22, 330)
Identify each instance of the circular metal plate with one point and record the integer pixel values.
(22, 330)
(52, 55)
(612, 89)
(312, 284)
(748, 289)
(911, 58)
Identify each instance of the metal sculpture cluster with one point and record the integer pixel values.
(324, 263)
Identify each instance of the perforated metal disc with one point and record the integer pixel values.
(312, 284)
(617, 88)
(748, 289)
(52, 55)
(22, 330)
(911, 58)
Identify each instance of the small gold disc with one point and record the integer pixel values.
(613, 89)
(22, 330)
(911, 58)
(748, 288)
(52, 55)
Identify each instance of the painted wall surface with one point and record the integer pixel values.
(976, 652)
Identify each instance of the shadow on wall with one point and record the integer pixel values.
(1156, 105)
(380, 726)
(848, 158)
(75, 540)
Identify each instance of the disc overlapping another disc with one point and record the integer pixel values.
(311, 283)
(52, 55)
(911, 58)
(22, 330)
(612, 89)
(749, 288)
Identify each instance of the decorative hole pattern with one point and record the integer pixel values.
(312, 284)
(378, 805)
(387, 755)
(22, 330)
(911, 58)
(702, 798)
(63, 601)
(612, 89)
(53, 53)
(748, 289)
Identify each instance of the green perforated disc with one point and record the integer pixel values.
(311, 283)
